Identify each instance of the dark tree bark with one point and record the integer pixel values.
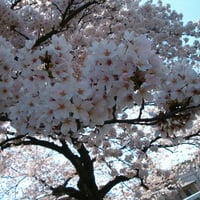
(87, 187)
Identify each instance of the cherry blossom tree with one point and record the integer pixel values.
(103, 83)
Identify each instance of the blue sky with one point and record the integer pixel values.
(189, 8)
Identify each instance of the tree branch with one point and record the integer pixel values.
(45, 37)
(65, 20)
(29, 140)
(154, 120)
(74, 13)
(62, 190)
(105, 189)
(23, 35)
(14, 4)
(141, 109)
(4, 117)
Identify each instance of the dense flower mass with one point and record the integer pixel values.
(47, 90)
(92, 74)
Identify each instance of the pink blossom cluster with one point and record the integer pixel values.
(40, 86)
(47, 91)
(180, 88)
